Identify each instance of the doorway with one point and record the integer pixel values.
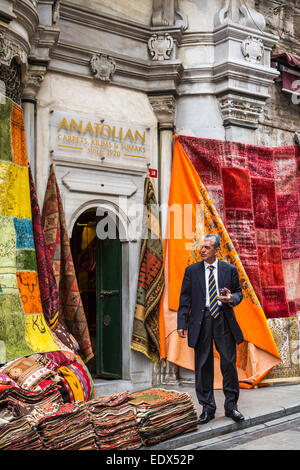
(98, 265)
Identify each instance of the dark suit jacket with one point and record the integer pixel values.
(193, 299)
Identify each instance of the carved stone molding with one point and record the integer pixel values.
(6, 12)
(34, 77)
(55, 11)
(240, 110)
(235, 11)
(10, 80)
(163, 13)
(164, 107)
(103, 67)
(253, 49)
(160, 46)
(166, 13)
(242, 72)
(170, 373)
(10, 50)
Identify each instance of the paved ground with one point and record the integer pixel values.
(262, 408)
(280, 434)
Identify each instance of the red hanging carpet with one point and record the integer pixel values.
(59, 253)
(250, 196)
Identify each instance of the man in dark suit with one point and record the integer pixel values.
(204, 316)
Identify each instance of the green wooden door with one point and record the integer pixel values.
(109, 312)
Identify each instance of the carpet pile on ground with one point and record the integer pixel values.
(120, 421)
(114, 421)
(64, 427)
(163, 414)
(38, 371)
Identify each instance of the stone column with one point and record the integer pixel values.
(164, 108)
(242, 69)
(30, 132)
(42, 43)
(34, 77)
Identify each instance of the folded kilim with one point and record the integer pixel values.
(107, 400)
(19, 435)
(64, 427)
(163, 414)
(21, 400)
(156, 397)
(114, 422)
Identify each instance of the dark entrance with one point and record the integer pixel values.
(98, 265)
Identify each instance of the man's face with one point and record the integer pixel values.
(208, 252)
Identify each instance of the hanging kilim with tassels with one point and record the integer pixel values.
(145, 335)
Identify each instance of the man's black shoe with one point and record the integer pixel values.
(235, 415)
(205, 417)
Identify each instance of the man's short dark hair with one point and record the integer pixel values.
(214, 238)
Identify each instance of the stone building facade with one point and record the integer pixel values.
(134, 73)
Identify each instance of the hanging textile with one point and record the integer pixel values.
(23, 328)
(86, 261)
(60, 256)
(242, 174)
(88, 235)
(145, 335)
(47, 283)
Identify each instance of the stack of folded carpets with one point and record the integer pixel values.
(114, 422)
(163, 414)
(37, 371)
(20, 402)
(29, 372)
(18, 434)
(65, 427)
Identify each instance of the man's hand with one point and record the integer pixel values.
(182, 333)
(225, 299)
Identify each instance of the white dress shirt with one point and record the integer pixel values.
(215, 273)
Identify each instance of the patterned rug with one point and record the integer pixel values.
(163, 414)
(59, 253)
(145, 335)
(286, 334)
(156, 397)
(23, 328)
(105, 423)
(114, 422)
(261, 211)
(38, 371)
(48, 287)
(203, 171)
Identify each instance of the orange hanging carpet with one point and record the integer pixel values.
(192, 214)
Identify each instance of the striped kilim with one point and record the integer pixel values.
(212, 288)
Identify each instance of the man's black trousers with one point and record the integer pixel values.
(215, 329)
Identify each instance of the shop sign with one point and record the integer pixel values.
(98, 138)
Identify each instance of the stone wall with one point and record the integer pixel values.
(280, 119)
